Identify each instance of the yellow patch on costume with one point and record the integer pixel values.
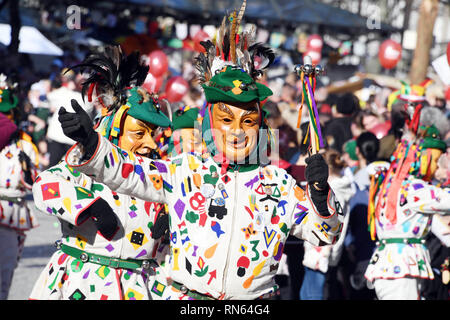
(133, 295)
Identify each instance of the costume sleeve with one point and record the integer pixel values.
(65, 193)
(308, 224)
(426, 198)
(32, 152)
(125, 172)
(8, 128)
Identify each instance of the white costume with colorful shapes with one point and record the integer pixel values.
(227, 230)
(15, 215)
(14, 212)
(64, 193)
(417, 202)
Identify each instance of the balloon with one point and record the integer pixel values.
(315, 42)
(158, 63)
(381, 130)
(390, 54)
(200, 36)
(176, 88)
(314, 55)
(447, 93)
(448, 53)
(152, 84)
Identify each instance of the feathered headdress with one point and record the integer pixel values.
(116, 80)
(234, 49)
(113, 73)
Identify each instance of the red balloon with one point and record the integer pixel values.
(315, 42)
(381, 130)
(315, 56)
(390, 54)
(176, 88)
(200, 36)
(158, 63)
(447, 93)
(152, 84)
(448, 53)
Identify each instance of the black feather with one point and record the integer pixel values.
(203, 67)
(113, 73)
(207, 45)
(226, 46)
(259, 49)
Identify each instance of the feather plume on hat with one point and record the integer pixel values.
(113, 73)
(234, 49)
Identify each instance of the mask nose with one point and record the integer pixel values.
(148, 142)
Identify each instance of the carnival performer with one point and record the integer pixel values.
(19, 161)
(106, 251)
(186, 131)
(230, 213)
(402, 202)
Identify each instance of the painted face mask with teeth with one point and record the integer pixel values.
(137, 137)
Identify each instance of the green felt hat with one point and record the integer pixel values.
(431, 138)
(148, 111)
(8, 100)
(350, 148)
(233, 84)
(184, 118)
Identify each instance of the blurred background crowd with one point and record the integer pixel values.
(368, 51)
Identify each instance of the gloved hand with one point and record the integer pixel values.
(26, 166)
(161, 227)
(316, 174)
(79, 127)
(104, 218)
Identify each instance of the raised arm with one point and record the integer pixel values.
(106, 163)
(317, 215)
(426, 198)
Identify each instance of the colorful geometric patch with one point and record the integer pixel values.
(137, 238)
(133, 295)
(50, 191)
(158, 288)
(102, 272)
(77, 295)
(83, 193)
(269, 236)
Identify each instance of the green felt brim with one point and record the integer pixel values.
(140, 112)
(430, 143)
(185, 120)
(213, 94)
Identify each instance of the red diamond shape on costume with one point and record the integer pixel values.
(50, 191)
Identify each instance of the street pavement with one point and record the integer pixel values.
(39, 247)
